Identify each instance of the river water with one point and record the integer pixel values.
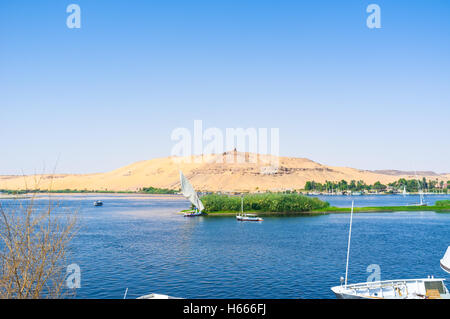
(140, 243)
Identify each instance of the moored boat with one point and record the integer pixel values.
(404, 191)
(247, 217)
(193, 213)
(188, 191)
(429, 288)
(421, 197)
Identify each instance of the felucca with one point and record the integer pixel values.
(188, 191)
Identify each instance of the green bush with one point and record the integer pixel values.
(443, 203)
(269, 202)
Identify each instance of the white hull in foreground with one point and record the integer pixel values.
(429, 288)
(157, 296)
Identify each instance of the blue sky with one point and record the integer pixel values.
(109, 94)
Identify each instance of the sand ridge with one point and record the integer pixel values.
(245, 172)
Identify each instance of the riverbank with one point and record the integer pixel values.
(385, 209)
(259, 213)
(93, 196)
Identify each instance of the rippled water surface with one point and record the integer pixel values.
(140, 243)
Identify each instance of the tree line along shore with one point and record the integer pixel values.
(145, 190)
(328, 187)
(400, 186)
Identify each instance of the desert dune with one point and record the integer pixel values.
(228, 172)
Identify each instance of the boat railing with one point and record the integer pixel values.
(387, 283)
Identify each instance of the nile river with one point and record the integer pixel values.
(140, 243)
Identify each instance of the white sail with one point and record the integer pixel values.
(445, 261)
(189, 192)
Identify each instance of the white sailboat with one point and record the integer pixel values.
(422, 201)
(188, 191)
(445, 261)
(421, 196)
(404, 191)
(247, 217)
(425, 288)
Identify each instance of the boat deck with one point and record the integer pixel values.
(430, 288)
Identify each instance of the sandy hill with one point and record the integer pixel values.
(230, 171)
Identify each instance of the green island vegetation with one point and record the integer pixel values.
(381, 209)
(278, 203)
(145, 190)
(411, 186)
(443, 203)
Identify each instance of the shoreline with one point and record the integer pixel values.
(80, 195)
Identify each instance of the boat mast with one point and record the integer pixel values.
(348, 247)
(242, 205)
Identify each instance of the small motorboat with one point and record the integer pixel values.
(98, 203)
(445, 261)
(247, 217)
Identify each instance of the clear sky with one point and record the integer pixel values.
(110, 93)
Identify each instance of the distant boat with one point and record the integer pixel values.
(421, 202)
(404, 191)
(188, 191)
(427, 288)
(98, 203)
(247, 217)
(445, 261)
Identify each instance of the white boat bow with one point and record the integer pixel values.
(157, 296)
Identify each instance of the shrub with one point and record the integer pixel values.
(443, 203)
(269, 202)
